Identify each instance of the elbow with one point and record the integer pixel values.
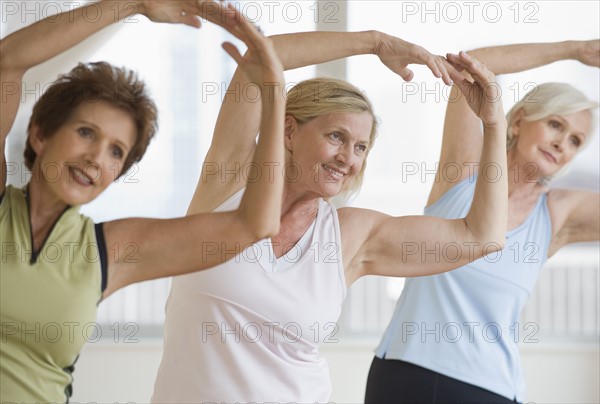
(497, 243)
(8, 62)
(270, 231)
(494, 243)
(264, 229)
(259, 227)
(487, 241)
(5, 59)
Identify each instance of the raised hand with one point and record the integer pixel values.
(588, 52)
(397, 54)
(171, 11)
(483, 94)
(260, 63)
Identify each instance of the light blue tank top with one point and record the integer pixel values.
(465, 323)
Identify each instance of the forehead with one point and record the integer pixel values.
(106, 118)
(355, 124)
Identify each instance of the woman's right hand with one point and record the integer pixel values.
(483, 94)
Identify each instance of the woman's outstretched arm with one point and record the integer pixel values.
(377, 244)
(237, 125)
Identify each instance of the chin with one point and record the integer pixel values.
(75, 197)
(330, 190)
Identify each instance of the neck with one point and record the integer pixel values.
(296, 201)
(523, 177)
(44, 206)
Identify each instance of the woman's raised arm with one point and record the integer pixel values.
(462, 138)
(409, 246)
(237, 125)
(173, 247)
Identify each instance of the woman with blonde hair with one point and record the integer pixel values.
(479, 304)
(249, 329)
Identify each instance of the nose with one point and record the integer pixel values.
(344, 155)
(94, 160)
(558, 143)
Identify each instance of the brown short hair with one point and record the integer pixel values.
(93, 82)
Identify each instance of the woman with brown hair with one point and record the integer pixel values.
(86, 131)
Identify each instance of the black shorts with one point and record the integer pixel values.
(395, 381)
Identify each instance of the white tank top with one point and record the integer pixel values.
(246, 332)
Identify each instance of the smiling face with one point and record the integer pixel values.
(328, 151)
(551, 142)
(86, 154)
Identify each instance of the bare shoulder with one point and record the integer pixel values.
(356, 227)
(355, 219)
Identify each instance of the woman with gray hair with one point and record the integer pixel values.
(477, 306)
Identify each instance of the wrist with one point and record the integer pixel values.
(568, 50)
(123, 9)
(139, 6)
(375, 39)
(495, 124)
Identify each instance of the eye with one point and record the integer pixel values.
(362, 148)
(336, 136)
(555, 124)
(117, 152)
(575, 140)
(85, 132)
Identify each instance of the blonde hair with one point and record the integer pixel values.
(550, 99)
(313, 98)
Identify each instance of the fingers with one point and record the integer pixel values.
(249, 32)
(406, 74)
(458, 65)
(433, 66)
(454, 60)
(441, 68)
(478, 70)
(233, 52)
(449, 72)
(190, 20)
(228, 17)
(220, 14)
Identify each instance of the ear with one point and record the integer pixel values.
(291, 126)
(37, 141)
(517, 121)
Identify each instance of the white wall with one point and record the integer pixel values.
(118, 372)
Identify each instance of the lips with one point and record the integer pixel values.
(335, 172)
(80, 177)
(549, 156)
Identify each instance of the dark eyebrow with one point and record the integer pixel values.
(97, 129)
